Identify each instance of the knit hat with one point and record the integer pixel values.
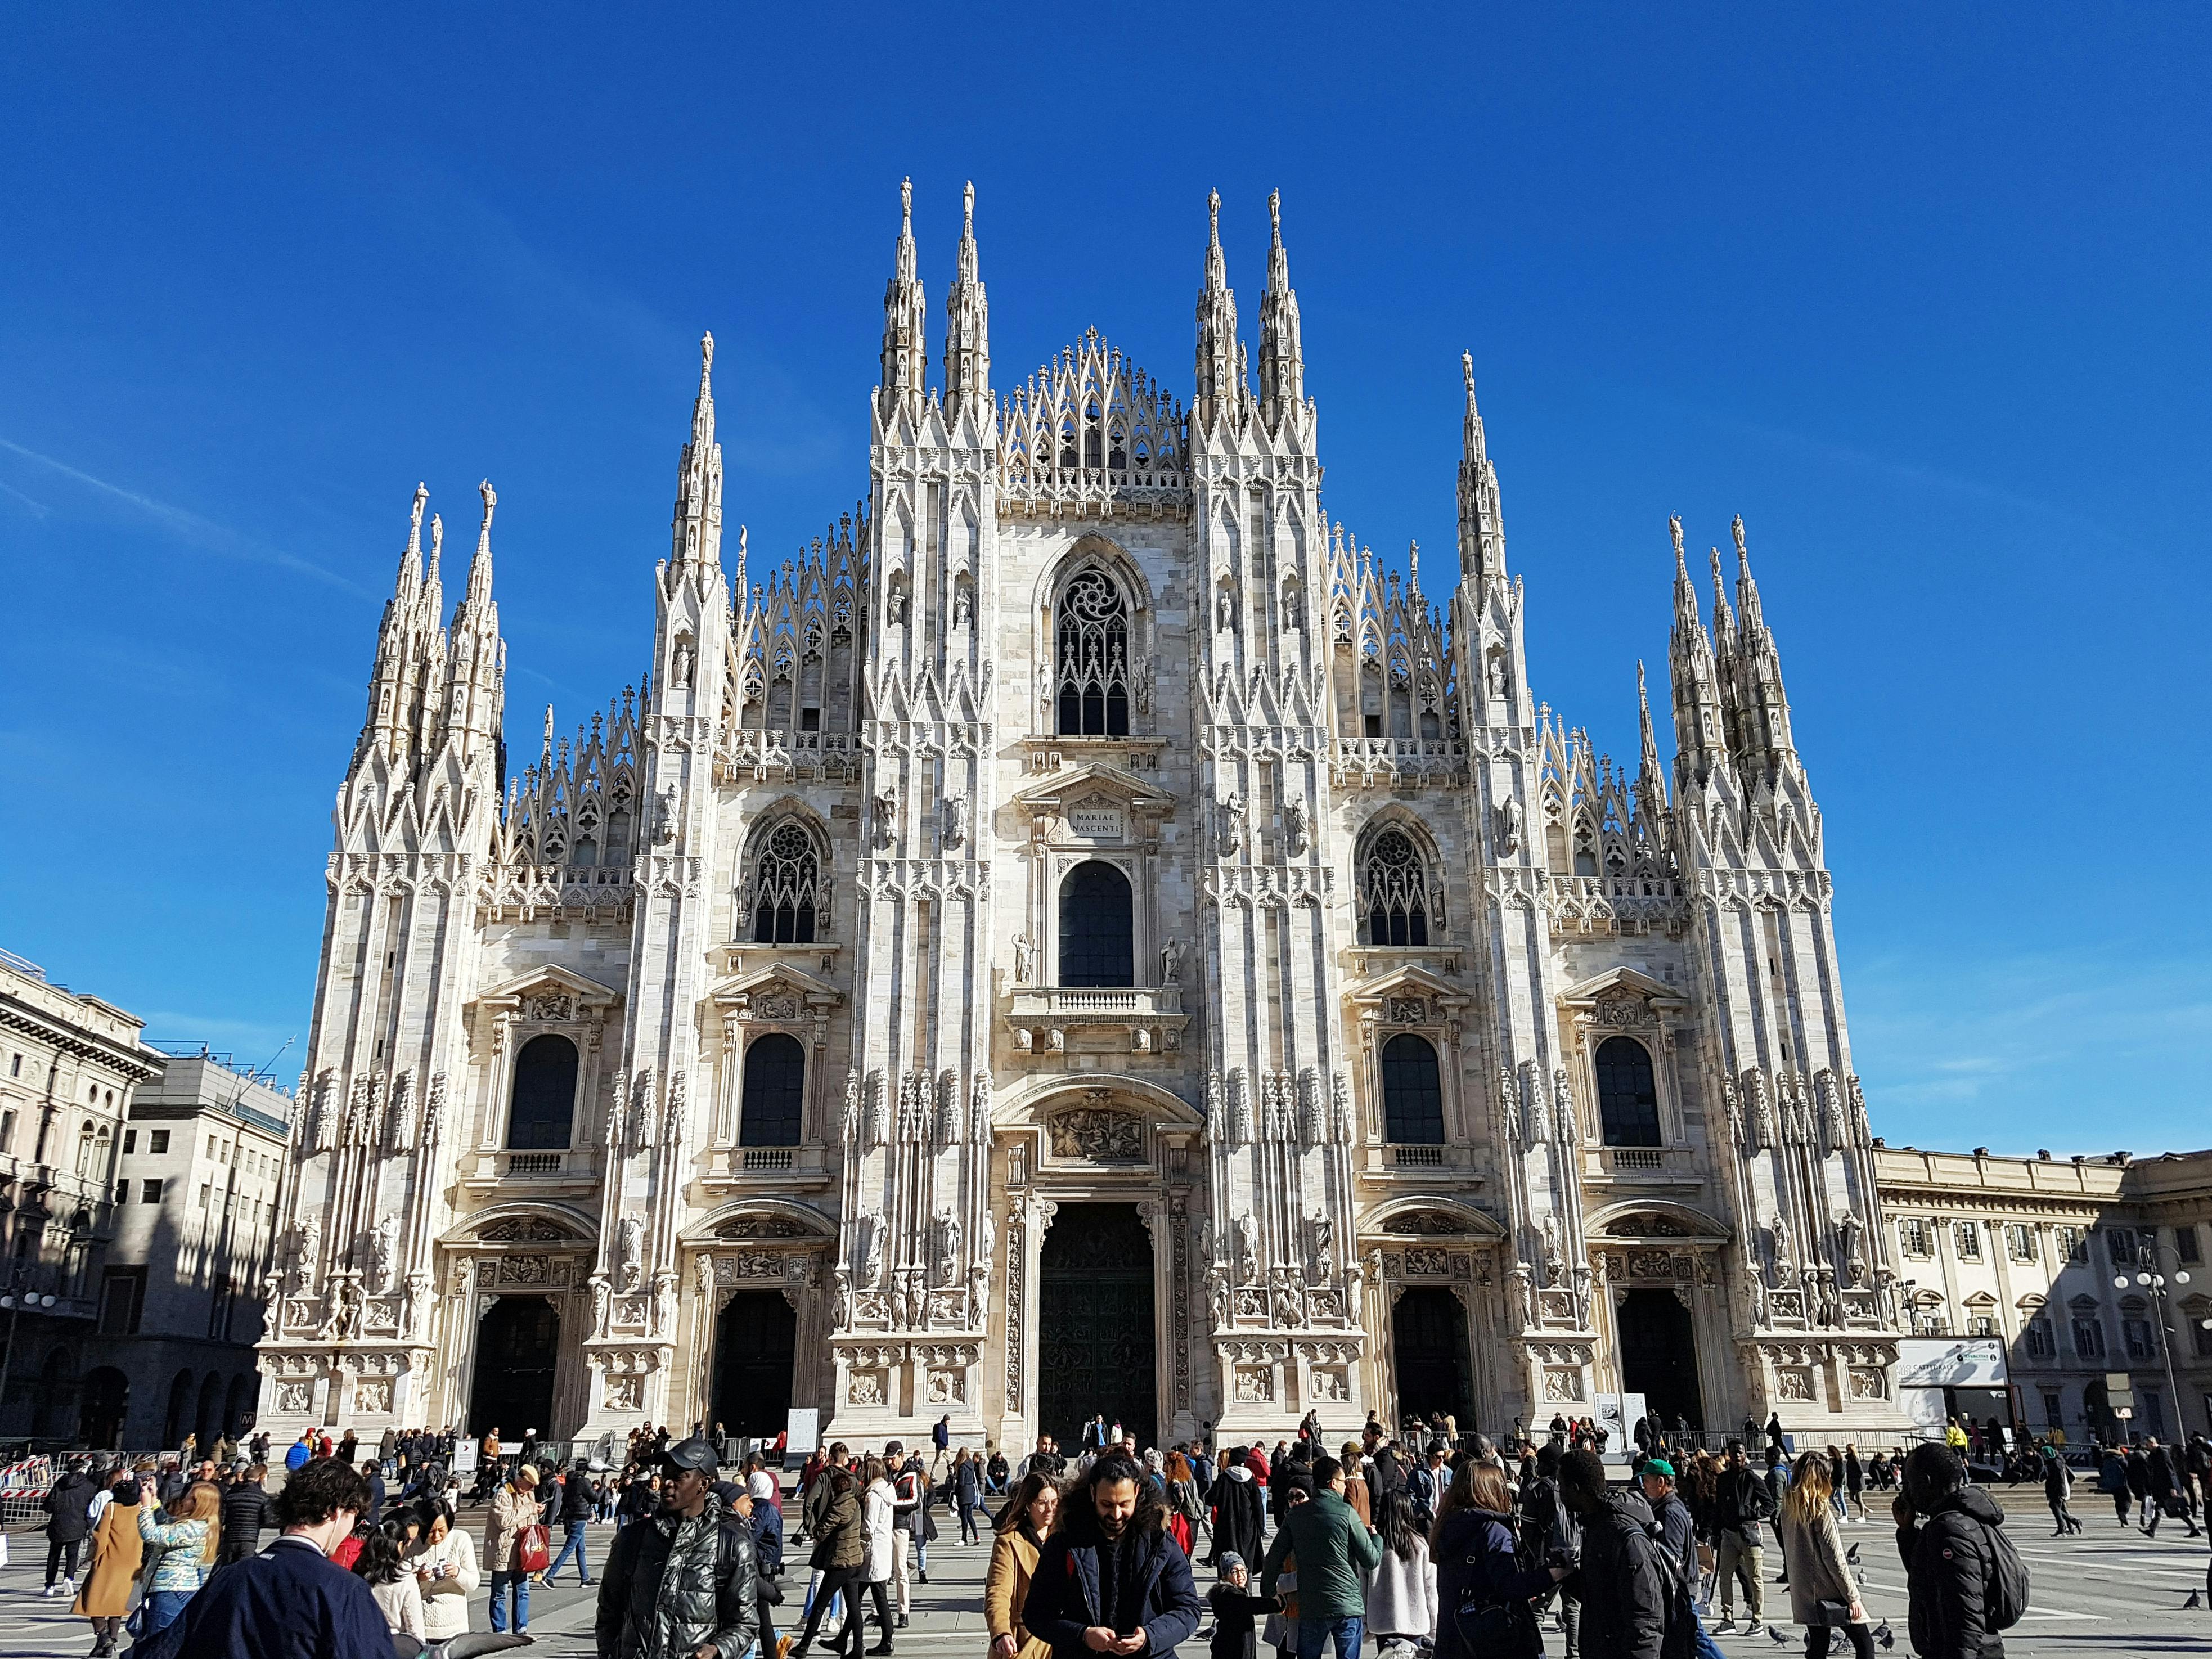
(1230, 1562)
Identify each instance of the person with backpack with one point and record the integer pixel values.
(1634, 1605)
(1549, 1531)
(684, 1581)
(1824, 1596)
(1742, 1503)
(1484, 1594)
(1965, 1580)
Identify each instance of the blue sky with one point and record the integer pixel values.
(1922, 297)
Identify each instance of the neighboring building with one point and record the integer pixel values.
(2023, 1254)
(68, 1066)
(181, 1295)
(1080, 937)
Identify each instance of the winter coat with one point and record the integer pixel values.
(1623, 1594)
(1237, 1517)
(117, 1551)
(1818, 1571)
(1947, 1564)
(2112, 1475)
(183, 1543)
(68, 1503)
(965, 1483)
(2158, 1473)
(877, 1505)
(2138, 1473)
(1742, 1501)
(447, 1615)
(1156, 1592)
(1401, 1595)
(673, 1584)
(2057, 1478)
(1476, 1566)
(1334, 1547)
(841, 1540)
(1235, 1613)
(244, 1512)
(578, 1501)
(401, 1603)
(512, 1510)
(1007, 1592)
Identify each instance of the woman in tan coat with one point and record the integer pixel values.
(117, 1552)
(1823, 1594)
(513, 1507)
(1023, 1527)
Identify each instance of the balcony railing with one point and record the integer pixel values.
(1149, 1017)
(770, 1158)
(1418, 1157)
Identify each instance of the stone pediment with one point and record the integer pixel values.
(1654, 1218)
(1428, 1215)
(778, 991)
(1410, 982)
(1094, 802)
(1623, 987)
(550, 994)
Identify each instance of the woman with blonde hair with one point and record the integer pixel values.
(1823, 1594)
(1022, 1527)
(186, 1546)
(117, 1552)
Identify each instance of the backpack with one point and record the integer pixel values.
(1680, 1639)
(2004, 1599)
(1492, 1628)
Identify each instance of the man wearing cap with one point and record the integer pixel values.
(1677, 1530)
(681, 1583)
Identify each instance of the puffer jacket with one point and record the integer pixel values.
(674, 1585)
(1947, 1563)
(246, 1511)
(69, 1505)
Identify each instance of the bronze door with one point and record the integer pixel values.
(1095, 1349)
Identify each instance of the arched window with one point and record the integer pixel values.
(788, 896)
(1394, 892)
(1096, 945)
(1627, 1099)
(1412, 1093)
(544, 1100)
(776, 1091)
(1091, 646)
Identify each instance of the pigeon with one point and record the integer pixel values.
(1777, 1637)
(1888, 1640)
(2196, 1600)
(1851, 1555)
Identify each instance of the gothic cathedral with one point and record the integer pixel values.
(1078, 938)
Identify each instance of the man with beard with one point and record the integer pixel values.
(1112, 1580)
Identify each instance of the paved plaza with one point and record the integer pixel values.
(2109, 1593)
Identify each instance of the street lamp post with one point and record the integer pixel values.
(2155, 1282)
(16, 1299)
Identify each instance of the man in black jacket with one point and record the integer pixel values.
(580, 1502)
(681, 1582)
(1112, 1580)
(1624, 1593)
(1943, 1535)
(68, 1517)
(244, 1512)
(1741, 1505)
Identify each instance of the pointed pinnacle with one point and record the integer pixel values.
(968, 210)
(1213, 216)
(1674, 529)
(437, 547)
(1275, 214)
(415, 518)
(706, 362)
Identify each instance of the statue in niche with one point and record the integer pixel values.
(306, 1252)
(986, 1237)
(1498, 682)
(1248, 1258)
(895, 605)
(1320, 1256)
(1025, 960)
(1225, 611)
(886, 804)
(1171, 962)
(602, 1303)
(1507, 814)
(956, 820)
(1216, 1296)
(948, 1247)
(663, 1303)
(872, 1251)
(1554, 1263)
(1849, 1228)
(1232, 824)
(961, 605)
(1294, 827)
(1523, 1314)
(679, 674)
(418, 1302)
(383, 1250)
(1785, 1266)
(853, 1126)
(664, 816)
(629, 1241)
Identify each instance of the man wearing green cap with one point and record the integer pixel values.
(1677, 1530)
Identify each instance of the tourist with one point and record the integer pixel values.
(1236, 1611)
(69, 1517)
(1483, 1595)
(1109, 1579)
(967, 1494)
(1549, 1530)
(996, 1473)
(1023, 1526)
(577, 1502)
(398, 1597)
(1400, 1589)
(1238, 1525)
(2112, 1480)
(515, 1506)
(839, 1559)
(1823, 1592)
(1620, 1579)
(2057, 1490)
(886, 1555)
(683, 1581)
(1185, 1508)
(117, 1554)
(911, 1524)
(286, 1602)
(1335, 1548)
(446, 1575)
(187, 1546)
(1945, 1535)
(1741, 1502)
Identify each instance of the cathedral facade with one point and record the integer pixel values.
(1077, 938)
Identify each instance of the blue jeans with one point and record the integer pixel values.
(573, 1543)
(162, 1607)
(500, 1583)
(1346, 1633)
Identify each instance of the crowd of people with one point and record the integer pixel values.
(1435, 1546)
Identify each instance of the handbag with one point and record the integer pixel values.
(1828, 1611)
(532, 1548)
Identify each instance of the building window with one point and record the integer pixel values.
(2120, 1244)
(122, 1192)
(130, 1142)
(2185, 1244)
(1412, 1093)
(1982, 1324)
(774, 1092)
(206, 1188)
(8, 1130)
(149, 1192)
(1394, 892)
(1091, 645)
(2200, 1329)
(789, 899)
(2020, 1241)
(1627, 1097)
(122, 1294)
(1967, 1235)
(2053, 1414)
(1912, 1234)
(157, 1141)
(1095, 927)
(2135, 1331)
(2073, 1245)
(2088, 1334)
(544, 1100)
(2041, 1344)
(15, 1066)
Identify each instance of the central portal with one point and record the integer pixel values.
(518, 1345)
(1095, 1324)
(755, 1337)
(1659, 1357)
